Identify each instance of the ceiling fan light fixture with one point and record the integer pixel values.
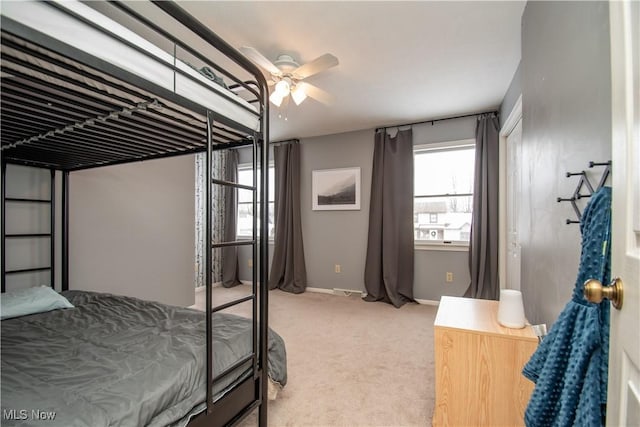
(287, 74)
(298, 95)
(283, 87)
(276, 98)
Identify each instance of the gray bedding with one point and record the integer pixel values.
(118, 361)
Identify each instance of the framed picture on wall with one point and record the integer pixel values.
(336, 189)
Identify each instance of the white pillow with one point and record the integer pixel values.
(30, 301)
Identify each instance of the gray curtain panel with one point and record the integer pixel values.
(388, 274)
(483, 245)
(288, 271)
(230, 253)
(218, 165)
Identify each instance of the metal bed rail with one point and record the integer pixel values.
(78, 127)
(139, 116)
(4, 272)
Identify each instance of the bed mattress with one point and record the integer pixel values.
(105, 43)
(114, 360)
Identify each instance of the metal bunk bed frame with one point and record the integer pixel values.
(68, 137)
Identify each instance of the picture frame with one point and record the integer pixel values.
(335, 189)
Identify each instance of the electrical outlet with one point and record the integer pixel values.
(337, 268)
(449, 276)
(250, 263)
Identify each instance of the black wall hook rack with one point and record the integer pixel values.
(584, 189)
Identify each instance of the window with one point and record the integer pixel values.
(443, 192)
(245, 202)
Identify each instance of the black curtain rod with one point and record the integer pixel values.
(432, 121)
(285, 141)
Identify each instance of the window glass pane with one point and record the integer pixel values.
(440, 215)
(442, 218)
(272, 183)
(245, 177)
(245, 205)
(447, 171)
(245, 219)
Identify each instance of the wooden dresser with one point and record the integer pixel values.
(479, 365)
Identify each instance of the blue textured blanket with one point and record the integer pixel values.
(570, 365)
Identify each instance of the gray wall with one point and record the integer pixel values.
(340, 237)
(510, 98)
(566, 123)
(132, 230)
(336, 237)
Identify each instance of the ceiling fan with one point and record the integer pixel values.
(287, 75)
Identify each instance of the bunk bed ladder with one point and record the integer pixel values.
(251, 359)
(14, 236)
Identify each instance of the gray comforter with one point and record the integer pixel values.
(118, 361)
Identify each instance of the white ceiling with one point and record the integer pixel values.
(399, 61)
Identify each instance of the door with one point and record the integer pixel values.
(623, 406)
(510, 186)
(514, 190)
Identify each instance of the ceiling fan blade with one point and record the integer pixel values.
(260, 60)
(319, 64)
(316, 93)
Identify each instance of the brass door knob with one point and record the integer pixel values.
(595, 292)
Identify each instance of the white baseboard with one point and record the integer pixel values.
(320, 290)
(427, 301)
(337, 291)
(363, 294)
(334, 291)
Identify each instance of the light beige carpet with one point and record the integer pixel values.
(350, 362)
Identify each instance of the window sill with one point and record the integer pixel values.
(241, 238)
(445, 247)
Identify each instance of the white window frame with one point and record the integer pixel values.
(447, 245)
(249, 166)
